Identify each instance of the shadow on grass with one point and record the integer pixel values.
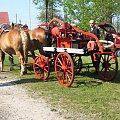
(90, 74)
(87, 83)
(34, 80)
(117, 79)
(25, 80)
(21, 81)
(82, 80)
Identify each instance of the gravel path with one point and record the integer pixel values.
(15, 104)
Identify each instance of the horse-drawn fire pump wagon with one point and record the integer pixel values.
(66, 44)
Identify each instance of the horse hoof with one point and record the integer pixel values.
(11, 68)
(23, 73)
(1, 70)
(1, 66)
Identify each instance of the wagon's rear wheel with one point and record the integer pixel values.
(41, 67)
(64, 69)
(77, 64)
(108, 67)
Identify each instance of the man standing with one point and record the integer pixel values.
(94, 29)
(92, 45)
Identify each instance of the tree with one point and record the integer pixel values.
(48, 9)
(81, 11)
(106, 9)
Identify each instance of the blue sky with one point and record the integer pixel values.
(18, 10)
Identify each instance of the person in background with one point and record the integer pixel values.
(92, 45)
(94, 29)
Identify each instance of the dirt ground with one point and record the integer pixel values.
(15, 104)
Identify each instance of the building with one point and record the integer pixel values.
(4, 18)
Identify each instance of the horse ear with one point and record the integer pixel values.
(12, 25)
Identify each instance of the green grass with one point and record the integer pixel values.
(88, 96)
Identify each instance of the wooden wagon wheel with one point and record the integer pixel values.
(41, 67)
(108, 67)
(77, 64)
(64, 69)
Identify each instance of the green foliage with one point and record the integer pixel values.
(49, 7)
(81, 11)
(105, 9)
(78, 12)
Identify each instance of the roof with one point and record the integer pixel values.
(4, 18)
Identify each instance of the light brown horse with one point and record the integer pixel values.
(38, 40)
(37, 37)
(15, 42)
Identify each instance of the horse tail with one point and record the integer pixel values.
(25, 40)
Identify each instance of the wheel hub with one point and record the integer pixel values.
(106, 65)
(42, 66)
(64, 67)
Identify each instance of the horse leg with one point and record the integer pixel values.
(11, 62)
(32, 54)
(2, 58)
(25, 61)
(23, 66)
(43, 52)
(47, 54)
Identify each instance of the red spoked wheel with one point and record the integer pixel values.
(77, 64)
(41, 67)
(108, 67)
(64, 69)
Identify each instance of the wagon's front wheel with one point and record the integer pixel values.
(108, 67)
(64, 69)
(41, 67)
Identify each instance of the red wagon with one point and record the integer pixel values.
(66, 44)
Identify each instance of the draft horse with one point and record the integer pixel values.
(38, 40)
(14, 42)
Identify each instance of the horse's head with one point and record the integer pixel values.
(24, 27)
(16, 26)
(4, 28)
